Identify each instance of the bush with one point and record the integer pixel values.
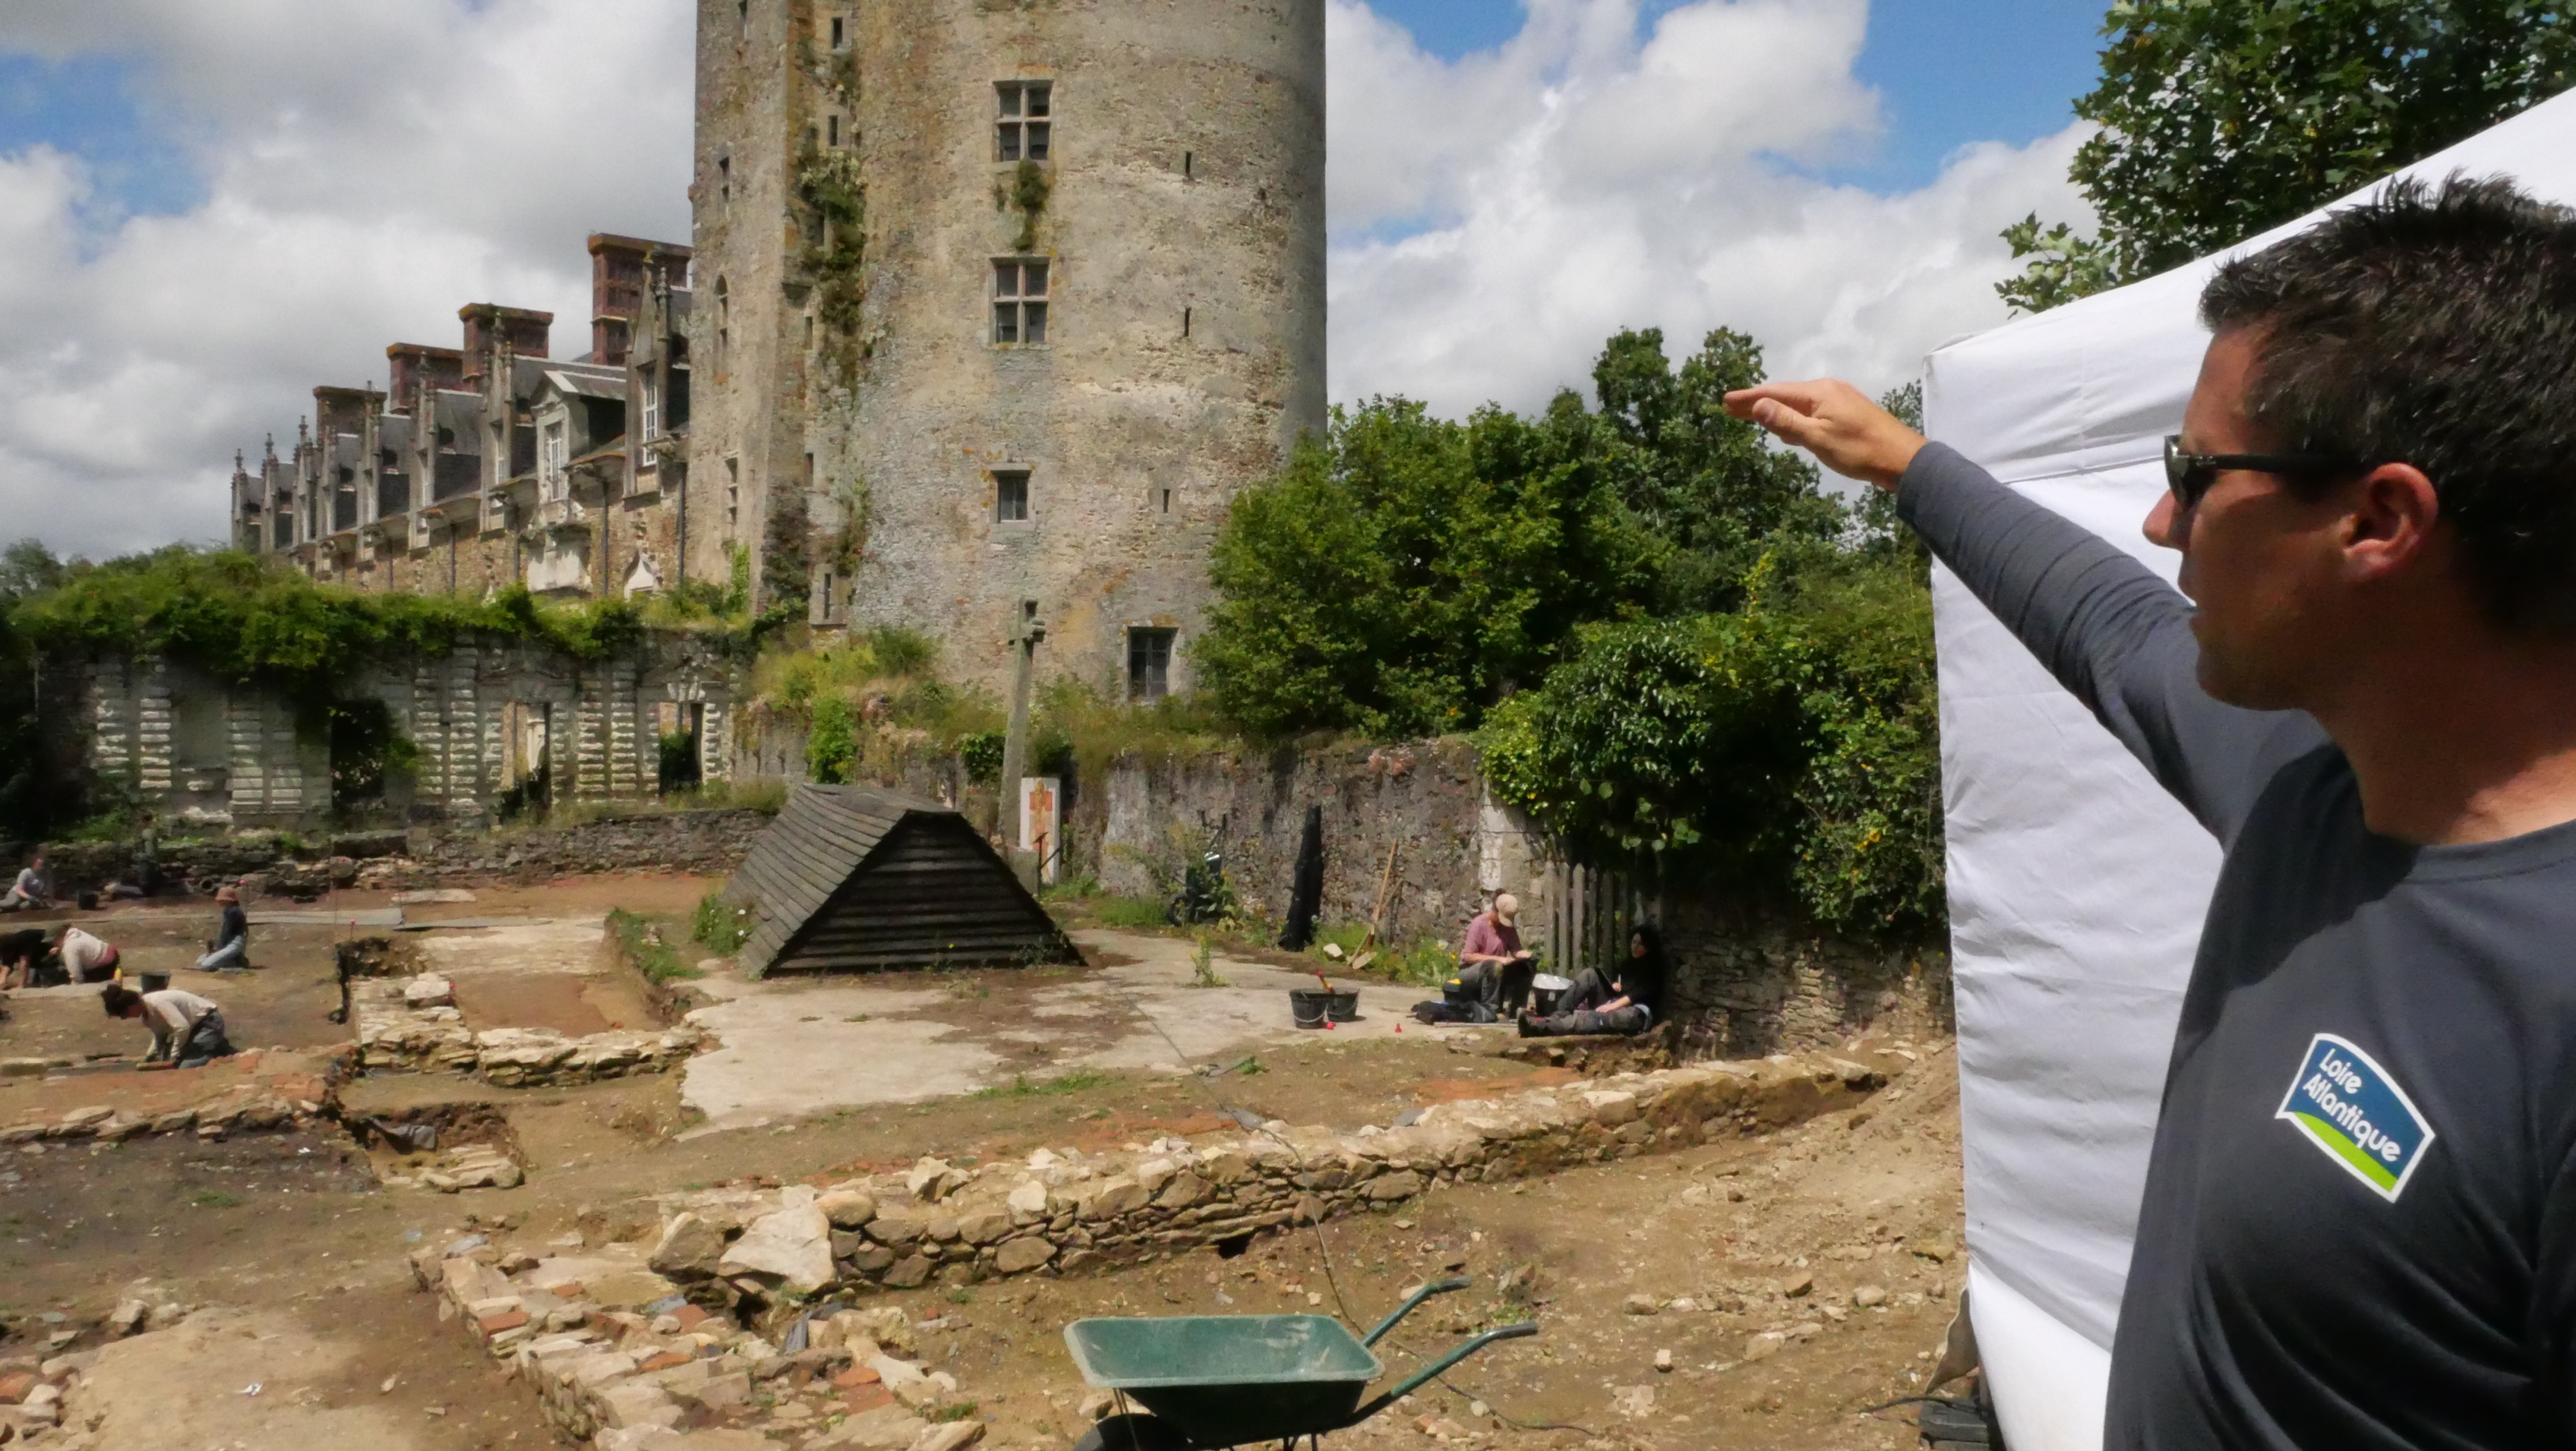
(645, 946)
(721, 925)
(831, 748)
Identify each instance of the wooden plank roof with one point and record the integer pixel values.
(802, 878)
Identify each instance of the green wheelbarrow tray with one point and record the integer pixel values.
(1231, 1380)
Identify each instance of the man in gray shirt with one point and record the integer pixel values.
(2359, 1222)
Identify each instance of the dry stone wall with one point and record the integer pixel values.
(412, 1025)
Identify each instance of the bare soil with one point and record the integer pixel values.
(291, 1231)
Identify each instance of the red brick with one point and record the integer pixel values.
(857, 1375)
(15, 1386)
(690, 1316)
(862, 1399)
(504, 1320)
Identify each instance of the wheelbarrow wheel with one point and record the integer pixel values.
(1132, 1433)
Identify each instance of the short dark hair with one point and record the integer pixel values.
(2435, 326)
(116, 997)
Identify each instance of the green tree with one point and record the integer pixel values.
(1708, 485)
(2225, 117)
(1407, 571)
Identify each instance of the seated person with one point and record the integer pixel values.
(1493, 968)
(85, 958)
(187, 1030)
(31, 890)
(22, 953)
(230, 951)
(1624, 1002)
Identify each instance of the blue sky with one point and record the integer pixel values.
(1949, 71)
(90, 106)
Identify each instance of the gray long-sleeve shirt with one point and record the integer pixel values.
(2359, 1222)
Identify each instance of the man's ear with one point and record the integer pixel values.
(2389, 522)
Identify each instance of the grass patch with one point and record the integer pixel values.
(1020, 1086)
(214, 1199)
(648, 948)
(720, 925)
(1114, 911)
(958, 1412)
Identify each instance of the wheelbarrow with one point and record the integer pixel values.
(1212, 1381)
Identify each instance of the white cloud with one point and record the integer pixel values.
(370, 166)
(1498, 217)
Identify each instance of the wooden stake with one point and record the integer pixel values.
(1385, 884)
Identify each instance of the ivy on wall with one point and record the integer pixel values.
(835, 254)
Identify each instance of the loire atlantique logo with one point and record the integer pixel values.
(2355, 1112)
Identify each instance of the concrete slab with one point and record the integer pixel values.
(792, 1048)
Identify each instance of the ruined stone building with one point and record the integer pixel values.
(492, 463)
(1005, 301)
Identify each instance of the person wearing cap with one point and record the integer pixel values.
(1492, 965)
(187, 1030)
(230, 951)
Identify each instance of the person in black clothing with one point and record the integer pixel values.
(22, 957)
(1623, 1002)
(2358, 1226)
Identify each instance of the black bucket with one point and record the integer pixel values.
(1307, 1006)
(1344, 1006)
(153, 982)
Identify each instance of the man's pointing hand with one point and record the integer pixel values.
(1837, 423)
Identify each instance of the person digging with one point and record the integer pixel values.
(230, 951)
(187, 1030)
(1622, 1003)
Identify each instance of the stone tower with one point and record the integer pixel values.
(1002, 301)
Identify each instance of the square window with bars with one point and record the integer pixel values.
(1019, 300)
(1149, 663)
(1011, 496)
(1026, 119)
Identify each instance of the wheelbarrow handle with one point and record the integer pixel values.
(1457, 1353)
(1440, 1287)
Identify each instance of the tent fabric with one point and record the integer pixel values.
(2077, 888)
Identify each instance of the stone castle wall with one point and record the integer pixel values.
(1183, 233)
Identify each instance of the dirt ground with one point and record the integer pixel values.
(291, 1236)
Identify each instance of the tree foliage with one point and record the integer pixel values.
(1676, 651)
(1406, 571)
(2222, 118)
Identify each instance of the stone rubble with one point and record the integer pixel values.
(620, 1357)
(264, 1100)
(412, 1024)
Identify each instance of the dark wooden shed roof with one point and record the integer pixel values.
(853, 879)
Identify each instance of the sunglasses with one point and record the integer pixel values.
(2190, 475)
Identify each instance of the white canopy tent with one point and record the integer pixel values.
(2077, 887)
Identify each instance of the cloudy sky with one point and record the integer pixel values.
(207, 209)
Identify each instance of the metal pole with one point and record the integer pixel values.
(1015, 741)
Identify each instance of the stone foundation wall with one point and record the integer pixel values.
(1750, 981)
(412, 1025)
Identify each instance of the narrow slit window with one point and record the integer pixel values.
(1149, 664)
(1023, 111)
(1019, 300)
(1010, 496)
(832, 129)
(840, 34)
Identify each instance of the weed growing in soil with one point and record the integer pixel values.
(1128, 912)
(1021, 1087)
(963, 1409)
(720, 925)
(1203, 965)
(645, 947)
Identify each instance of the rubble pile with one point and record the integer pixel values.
(620, 1358)
(1068, 1211)
(412, 1024)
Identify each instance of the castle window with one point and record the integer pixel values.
(1021, 133)
(652, 406)
(840, 33)
(832, 129)
(1019, 300)
(1011, 496)
(1149, 663)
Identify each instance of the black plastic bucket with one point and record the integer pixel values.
(1344, 1006)
(153, 982)
(1308, 1005)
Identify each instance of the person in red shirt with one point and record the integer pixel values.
(1492, 964)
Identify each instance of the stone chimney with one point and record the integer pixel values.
(417, 363)
(489, 326)
(622, 270)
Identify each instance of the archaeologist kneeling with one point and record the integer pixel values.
(1623, 1002)
(186, 1029)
